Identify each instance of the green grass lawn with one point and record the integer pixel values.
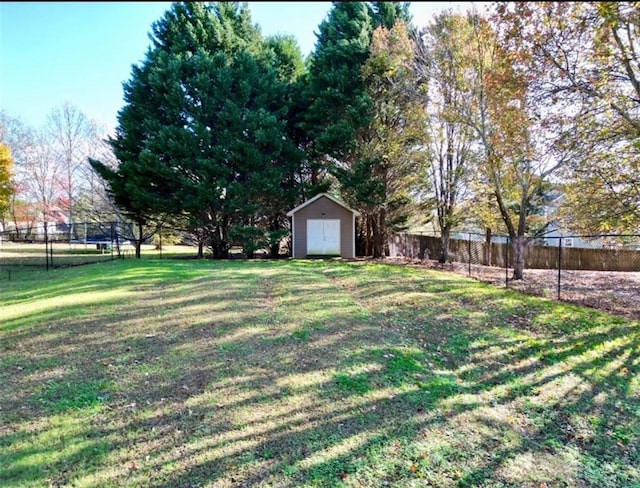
(308, 373)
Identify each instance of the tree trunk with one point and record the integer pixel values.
(274, 248)
(368, 246)
(444, 242)
(220, 250)
(378, 250)
(200, 248)
(275, 251)
(218, 242)
(519, 252)
(378, 235)
(138, 241)
(487, 249)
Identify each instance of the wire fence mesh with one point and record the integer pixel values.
(600, 271)
(45, 247)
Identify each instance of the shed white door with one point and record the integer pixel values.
(323, 236)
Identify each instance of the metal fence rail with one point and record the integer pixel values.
(601, 271)
(45, 247)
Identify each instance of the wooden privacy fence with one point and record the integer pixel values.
(417, 246)
(477, 251)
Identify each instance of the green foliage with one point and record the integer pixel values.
(339, 104)
(388, 13)
(360, 80)
(204, 131)
(251, 238)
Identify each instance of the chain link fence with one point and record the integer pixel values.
(49, 246)
(600, 271)
(44, 247)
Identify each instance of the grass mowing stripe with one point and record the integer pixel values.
(309, 373)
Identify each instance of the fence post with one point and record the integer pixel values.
(112, 241)
(506, 264)
(559, 264)
(469, 251)
(46, 246)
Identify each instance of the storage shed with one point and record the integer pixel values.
(323, 226)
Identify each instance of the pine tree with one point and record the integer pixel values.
(339, 104)
(203, 138)
(350, 118)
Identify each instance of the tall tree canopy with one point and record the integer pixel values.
(224, 130)
(522, 139)
(203, 138)
(444, 46)
(390, 147)
(357, 106)
(339, 104)
(590, 52)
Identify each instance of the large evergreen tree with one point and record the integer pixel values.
(339, 104)
(345, 115)
(203, 138)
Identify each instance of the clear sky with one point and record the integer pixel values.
(82, 52)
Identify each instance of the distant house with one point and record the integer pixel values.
(551, 236)
(555, 230)
(323, 226)
(56, 226)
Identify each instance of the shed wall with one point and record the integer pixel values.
(323, 208)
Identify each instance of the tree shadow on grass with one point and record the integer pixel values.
(281, 376)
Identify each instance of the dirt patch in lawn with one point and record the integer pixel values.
(614, 292)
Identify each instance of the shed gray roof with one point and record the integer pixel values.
(319, 195)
